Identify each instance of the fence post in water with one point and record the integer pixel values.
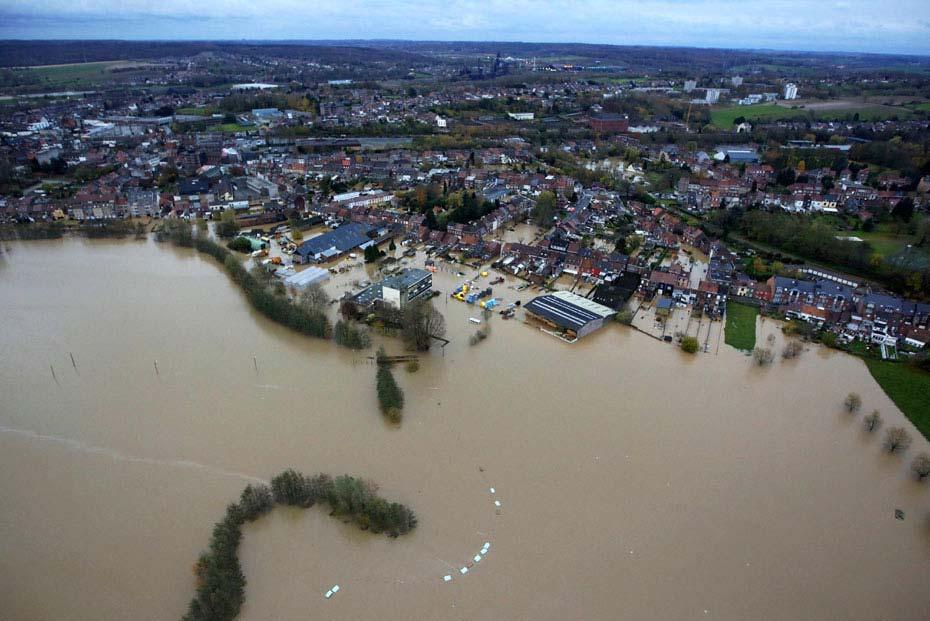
(54, 377)
(73, 363)
(255, 363)
(156, 367)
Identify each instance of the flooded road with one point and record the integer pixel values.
(635, 482)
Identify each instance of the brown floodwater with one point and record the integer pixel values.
(635, 482)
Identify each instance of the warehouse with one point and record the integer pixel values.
(334, 244)
(568, 316)
(307, 277)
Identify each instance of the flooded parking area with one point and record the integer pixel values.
(634, 481)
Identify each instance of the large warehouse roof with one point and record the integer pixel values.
(568, 310)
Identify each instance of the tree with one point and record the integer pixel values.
(792, 349)
(921, 466)
(904, 210)
(314, 298)
(372, 254)
(625, 317)
(853, 402)
(762, 356)
(897, 439)
(689, 344)
(227, 226)
(873, 421)
(544, 209)
(390, 397)
(420, 322)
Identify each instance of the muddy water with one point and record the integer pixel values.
(635, 483)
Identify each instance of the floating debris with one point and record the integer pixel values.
(898, 514)
(497, 503)
(447, 578)
(332, 591)
(463, 571)
(492, 490)
(477, 558)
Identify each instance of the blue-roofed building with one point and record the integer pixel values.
(571, 315)
(335, 243)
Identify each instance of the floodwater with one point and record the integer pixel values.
(635, 482)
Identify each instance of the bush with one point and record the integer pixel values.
(690, 345)
(921, 466)
(413, 366)
(873, 421)
(240, 244)
(625, 317)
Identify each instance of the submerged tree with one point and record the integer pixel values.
(690, 344)
(873, 421)
(762, 356)
(792, 349)
(897, 439)
(853, 402)
(420, 322)
(921, 466)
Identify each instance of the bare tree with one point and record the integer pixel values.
(792, 349)
(853, 402)
(873, 421)
(421, 322)
(897, 439)
(762, 357)
(921, 466)
(315, 297)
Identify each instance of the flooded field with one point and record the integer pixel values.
(635, 482)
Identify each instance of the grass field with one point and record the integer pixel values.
(723, 117)
(74, 76)
(908, 387)
(230, 128)
(740, 331)
(195, 111)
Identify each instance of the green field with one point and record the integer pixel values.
(79, 76)
(740, 331)
(230, 128)
(908, 387)
(195, 111)
(723, 117)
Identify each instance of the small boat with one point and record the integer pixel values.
(473, 320)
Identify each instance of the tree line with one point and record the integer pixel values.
(220, 581)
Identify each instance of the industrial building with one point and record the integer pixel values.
(307, 277)
(348, 237)
(570, 315)
(398, 290)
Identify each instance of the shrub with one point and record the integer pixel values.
(853, 402)
(625, 317)
(690, 345)
(792, 349)
(873, 421)
(921, 466)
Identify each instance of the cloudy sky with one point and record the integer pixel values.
(895, 26)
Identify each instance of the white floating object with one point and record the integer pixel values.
(477, 558)
(336, 589)
(463, 571)
(497, 503)
(487, 545)
(493, 491)
(329, 594)
(447, 578)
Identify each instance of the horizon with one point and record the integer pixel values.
(901, 27)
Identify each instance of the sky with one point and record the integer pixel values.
(890, 26)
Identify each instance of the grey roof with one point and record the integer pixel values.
(343, 239)
(568, 310)
(406, 278)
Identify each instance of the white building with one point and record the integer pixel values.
(791, 91)
(736, 81)
(712, 96)
(690, 85)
